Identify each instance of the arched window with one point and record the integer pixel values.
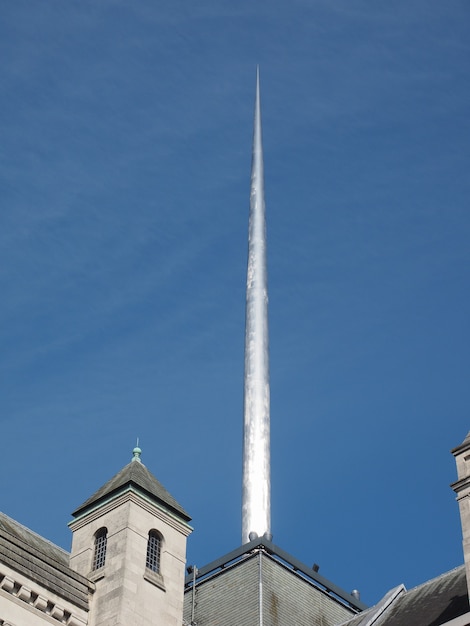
(154, 548)
(101, 539)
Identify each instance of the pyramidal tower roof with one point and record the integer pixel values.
(135, 476)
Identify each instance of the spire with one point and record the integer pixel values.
(256, 506)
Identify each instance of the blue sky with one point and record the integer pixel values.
(125, 161)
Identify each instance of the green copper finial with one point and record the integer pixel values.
(137, 452)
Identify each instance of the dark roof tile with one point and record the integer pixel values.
(137, 475)
(41, 561)
(433, 603)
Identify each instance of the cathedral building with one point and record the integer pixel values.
(127, 564)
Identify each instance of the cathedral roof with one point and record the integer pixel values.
(435, 602)
(41, 561)
(276, 589)
(135, 475)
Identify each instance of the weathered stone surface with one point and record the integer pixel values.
(126, 592)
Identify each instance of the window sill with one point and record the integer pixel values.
(155, 579)
(96, 575)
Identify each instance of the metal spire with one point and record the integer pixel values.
(256, 507)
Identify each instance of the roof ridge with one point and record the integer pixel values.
(435, 578)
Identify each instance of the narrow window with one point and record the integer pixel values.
(154, 546)
(101, 539)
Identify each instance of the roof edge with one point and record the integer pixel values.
(376, 611)
(130, 486)
(285, 558)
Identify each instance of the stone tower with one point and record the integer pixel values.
(129, 539)
(462, 489)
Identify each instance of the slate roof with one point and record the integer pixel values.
(41, 561)
(136, 475)
(433, 603)
(257, 585)
(465, 443)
